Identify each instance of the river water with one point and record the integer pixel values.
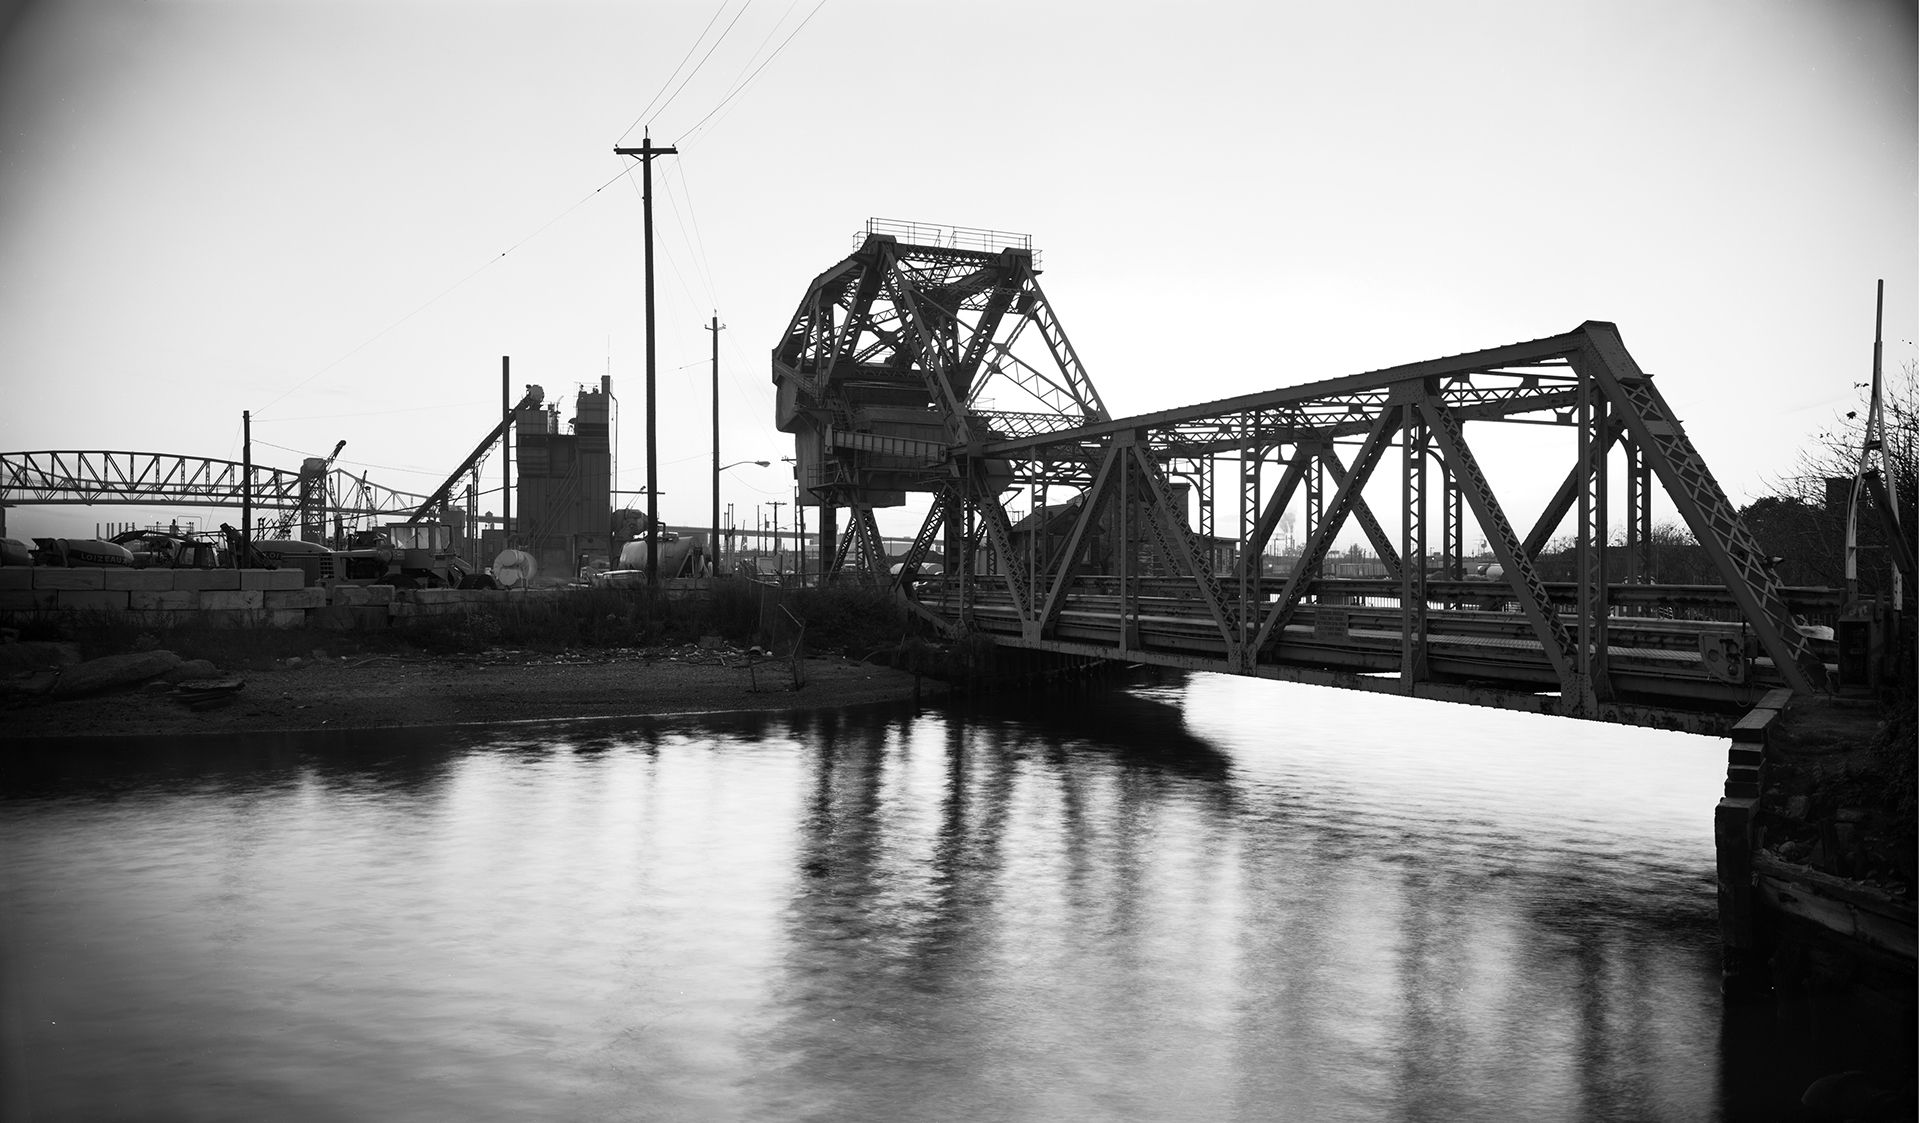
(1198, 898)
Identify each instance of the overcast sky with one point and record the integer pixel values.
(340, 215)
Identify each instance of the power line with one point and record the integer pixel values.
(698, 260)
(356, 463)
(741, 88)
(369, 413)
(686, 189)
(703, 58)
(694, 46)
(382, 333)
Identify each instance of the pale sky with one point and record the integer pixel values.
(300, 208)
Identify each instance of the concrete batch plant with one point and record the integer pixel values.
(563, 514)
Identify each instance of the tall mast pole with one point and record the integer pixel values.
(646, 152)
(1868, 442)
(714, 525)
(246, 489)
(506, 458)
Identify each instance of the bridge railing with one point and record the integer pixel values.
(949, 237)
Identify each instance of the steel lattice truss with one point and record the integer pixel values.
(903, 350)
(67, 476)
(881, 377)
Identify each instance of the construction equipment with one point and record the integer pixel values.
(155, 548)
(81, 553)
(403, 555)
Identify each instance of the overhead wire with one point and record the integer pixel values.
(356, 463)
(490, 262)
(703, 58)
(700, 243)
(694, 46)
(437, 407)
(698, 259)
(694, 129)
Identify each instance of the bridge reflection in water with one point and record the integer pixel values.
(929, 361)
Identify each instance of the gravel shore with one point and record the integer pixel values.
(389, 691)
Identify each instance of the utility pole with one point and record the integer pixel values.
(506, 458)
(646, 152)
(714, 526)
(799, 536)
(776, 504)
(246, 488)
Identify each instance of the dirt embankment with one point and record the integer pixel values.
(384, 691)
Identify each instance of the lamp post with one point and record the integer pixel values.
(716, 505)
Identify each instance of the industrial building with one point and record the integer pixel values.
(562, 513)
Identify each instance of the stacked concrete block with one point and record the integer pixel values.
(169, 600)
(69, 580)
(28, 600)
(360, 595)
(264, 579)
(138, 580)
(232, 600)
(207, 580)
(91, 600)
(277, 600)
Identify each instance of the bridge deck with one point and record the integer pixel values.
(1660, 667)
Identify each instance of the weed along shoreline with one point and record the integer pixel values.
(326, 693)
(579, 655)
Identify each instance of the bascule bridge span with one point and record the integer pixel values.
(930, 361)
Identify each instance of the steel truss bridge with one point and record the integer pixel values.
(306, 498)
(930, 361)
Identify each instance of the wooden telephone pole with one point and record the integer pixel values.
(713, 546)
(646, 152)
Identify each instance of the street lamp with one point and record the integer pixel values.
(716, 505)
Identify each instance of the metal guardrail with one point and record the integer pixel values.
(946, 237)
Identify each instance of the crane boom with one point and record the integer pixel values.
(535, 395)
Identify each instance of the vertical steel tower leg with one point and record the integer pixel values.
(1413, 548)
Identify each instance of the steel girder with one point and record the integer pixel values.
(1714, 521)
(908, 328)
(75, 476)
(903, 352)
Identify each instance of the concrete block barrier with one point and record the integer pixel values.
(224, 598)
(234, 600)
(65, 579)
(29, 600)
(275, 599)
(206, 580)
(144, 580)
(172, 600)
(91, 600)
(264, 579)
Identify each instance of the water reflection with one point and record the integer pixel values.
(1203, 899)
